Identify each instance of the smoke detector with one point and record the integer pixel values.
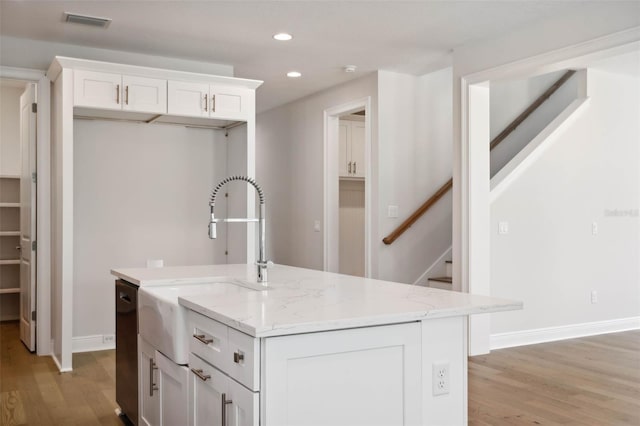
(93, 21)
(350, 68)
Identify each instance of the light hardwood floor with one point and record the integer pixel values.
(32, 392)
(588, 381)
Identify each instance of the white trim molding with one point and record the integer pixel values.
(331, 193)
(563, 332)
(93, 343)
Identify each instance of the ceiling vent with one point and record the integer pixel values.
(93, 21)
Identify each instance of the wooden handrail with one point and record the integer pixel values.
(527, 112)
(416, 215)
(502, 136)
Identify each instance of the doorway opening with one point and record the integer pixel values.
(347, 188)
(18, 206)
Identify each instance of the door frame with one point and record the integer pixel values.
(43, 201)
(331, 188)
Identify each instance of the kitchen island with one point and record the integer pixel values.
(318, 348)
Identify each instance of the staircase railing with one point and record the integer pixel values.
(402, 228)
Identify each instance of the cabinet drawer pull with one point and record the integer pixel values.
(152, 386)
(206, 102)
(126, 95)
(225, 401)
(354, 168)
(213, 103)
(118, 94)
(237, 357)
(203, 338)
(200, 373)
(349, 167)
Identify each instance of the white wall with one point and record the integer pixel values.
(411, 152)
(38, 54)
(289, 164)
(415, 161)
(10, 130)
(140, 192)
(550, 259)
(509, 98)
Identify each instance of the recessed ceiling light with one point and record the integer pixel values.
(283, 37)
(94, 21)
(294, 74)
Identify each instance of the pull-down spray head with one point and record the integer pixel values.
(262, 262)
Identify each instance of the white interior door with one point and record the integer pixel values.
(28, 218)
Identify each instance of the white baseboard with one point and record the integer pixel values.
(552, 334)
(57, 363)
(92, 343)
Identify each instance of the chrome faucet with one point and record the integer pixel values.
(262, 261)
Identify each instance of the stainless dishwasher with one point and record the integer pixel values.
(127, 350)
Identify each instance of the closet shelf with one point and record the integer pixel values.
(9, 233)
(10, 262)
(10, 290)
(9, 204)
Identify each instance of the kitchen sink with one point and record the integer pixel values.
(162, 321)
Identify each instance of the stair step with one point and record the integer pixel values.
(442, 279)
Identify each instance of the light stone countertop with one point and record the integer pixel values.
(303, 300)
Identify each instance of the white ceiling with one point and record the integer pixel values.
(406, 36)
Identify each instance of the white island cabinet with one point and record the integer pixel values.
(317, 348)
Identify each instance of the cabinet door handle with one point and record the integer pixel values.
(213, 103)
(152, 386)
(349, 168)
(118, 94)
(200, 373)
(237, 357)
(225, 401)
(202, 338)
(354, 168)
(206, 102)
(126, 95)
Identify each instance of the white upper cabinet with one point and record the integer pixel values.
(204, 100)
(97, 89)
(351, 157)
(119, 92)
(144, 94)
(190, 99)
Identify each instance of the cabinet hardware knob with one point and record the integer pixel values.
(200, 373)
(118, 94)
(203, 338)
(225, 401)
(18, 247)
(206, 102)
(237, 357)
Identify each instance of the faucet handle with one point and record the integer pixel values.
(265, 264)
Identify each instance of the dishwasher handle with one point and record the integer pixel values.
(125, 297)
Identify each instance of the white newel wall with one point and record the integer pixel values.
(551, 259)
(415, 160)
(140, 192)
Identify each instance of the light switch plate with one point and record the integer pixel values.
(503, 228)
(392, 211)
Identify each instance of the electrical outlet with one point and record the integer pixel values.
(108, 338)
(594, 297)
(440, 378)
(503, 228)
